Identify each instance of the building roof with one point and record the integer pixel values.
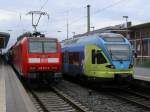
(121, 28)
(140, 26)
(116, 28)
(4, 38)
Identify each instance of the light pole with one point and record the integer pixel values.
(67, 24)
(126, 18)
(73, 34)
(88, 18)
(93, 27)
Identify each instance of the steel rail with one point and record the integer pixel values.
(133, 97)
(65, 102)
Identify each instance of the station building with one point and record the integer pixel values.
(4, 38)
(140, 39)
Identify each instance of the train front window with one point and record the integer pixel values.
(42, 46)
(119, 52)
(35, 47)
(50, 47)
(114, 39)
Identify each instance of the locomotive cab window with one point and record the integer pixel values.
(49, 47)
(35, 47)
(100, 58)
(41, 46)
(97, 57)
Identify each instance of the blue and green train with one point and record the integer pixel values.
(102, 57)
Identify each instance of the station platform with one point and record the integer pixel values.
(13, 97)
(142, 74)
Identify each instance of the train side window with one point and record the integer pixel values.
(93, 56)
(70, 54)
(100, 58)
(76, 58)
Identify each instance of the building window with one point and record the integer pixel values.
(148, 35)
(137, 35)
(142, 34)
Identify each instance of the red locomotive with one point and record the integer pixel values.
(38, 58)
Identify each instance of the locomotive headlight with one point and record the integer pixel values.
(34, 60)
(53, 60)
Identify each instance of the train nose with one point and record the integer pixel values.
(121, 65)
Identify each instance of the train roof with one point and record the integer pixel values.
(42, 38)
(33, 38)
(106, 37)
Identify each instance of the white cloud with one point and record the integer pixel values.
(6, 15)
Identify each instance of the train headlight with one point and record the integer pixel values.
(131, 66)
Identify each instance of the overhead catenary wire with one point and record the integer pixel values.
(11, 11)
(21, 14)
(96, 12)
(99, 10)
(107, 7)
(40, 10)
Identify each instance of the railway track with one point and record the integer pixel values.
(134, 97)
(54, 100)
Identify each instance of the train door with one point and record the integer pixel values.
(95, 62)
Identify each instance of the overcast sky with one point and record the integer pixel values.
(14, 18)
